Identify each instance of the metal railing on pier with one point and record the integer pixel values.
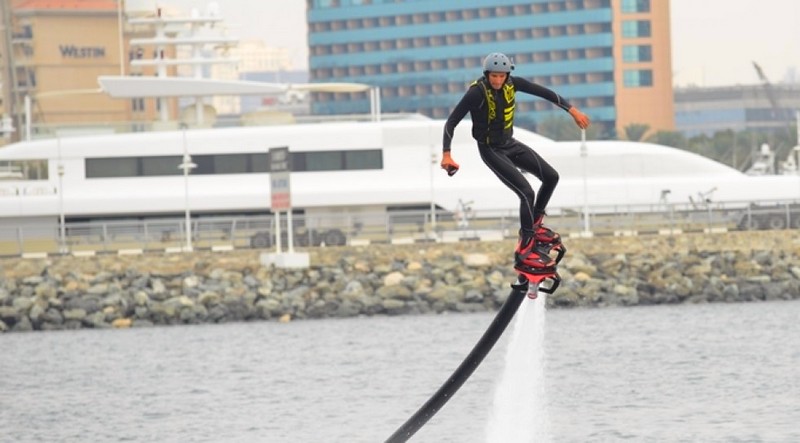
(358, 229)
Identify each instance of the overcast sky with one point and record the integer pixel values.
(714, 42)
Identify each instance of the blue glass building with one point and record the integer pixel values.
(423, 54)
(706, 110)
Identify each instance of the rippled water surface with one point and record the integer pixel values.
(720, 372)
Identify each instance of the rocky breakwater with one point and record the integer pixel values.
(214, 287)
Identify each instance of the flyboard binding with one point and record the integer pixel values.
(532, 277)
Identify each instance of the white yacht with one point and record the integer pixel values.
(356, 167)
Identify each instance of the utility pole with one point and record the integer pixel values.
(777, 112)
(10, 74)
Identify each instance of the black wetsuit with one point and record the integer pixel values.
(497, 146)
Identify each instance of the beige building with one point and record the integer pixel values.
(53, 52)
(642, 53)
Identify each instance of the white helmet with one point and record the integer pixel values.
(497, 62)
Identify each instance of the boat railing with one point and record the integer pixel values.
(52, 130)
(396, 227)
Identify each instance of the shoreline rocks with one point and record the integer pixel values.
(215, 287)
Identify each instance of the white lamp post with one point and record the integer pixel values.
(433, 200)
(62, 243)
(375, 103)
(796, 150)
(585, 160)
(121, 37)
(187, 165)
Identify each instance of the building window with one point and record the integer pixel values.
(455, 63)
(231, 164)
(419, 19)
(637, 53)
(363, 159)
(114, 167)
(635, 78)
(469, 14)
(636, 28)
(635, 5)
(337, 160)
(24, 169)
(436, 17)
(438, 40)
(25, 33)
(453, 16)
(323, 161)
(160, 166)
(137, 105)
(157, 166)
(326, 4)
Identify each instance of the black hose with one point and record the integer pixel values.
(467, 367)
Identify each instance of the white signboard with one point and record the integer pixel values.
(279, 179)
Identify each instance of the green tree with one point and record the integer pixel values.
(669, 138)
(564, 129)
(703, 145)
(737, 148)
(636, 131)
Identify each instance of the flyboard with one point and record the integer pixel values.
(527, 284)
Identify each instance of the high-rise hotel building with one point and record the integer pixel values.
(611, 58)
(54, 51)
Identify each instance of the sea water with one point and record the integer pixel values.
(519, 411)
(706, 373)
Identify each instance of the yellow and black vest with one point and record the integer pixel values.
(500, 106)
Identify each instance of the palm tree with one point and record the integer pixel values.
(635, 131)
(669, 138)
(563, 129)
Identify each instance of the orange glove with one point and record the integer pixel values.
(581, 119)
(448, 164)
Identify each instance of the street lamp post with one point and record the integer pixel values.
(431, 169)
(187, 165)
(121, 37)
(584, 161)
(433, 199)
(796, 150)
(62, 237)
(375, 103)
